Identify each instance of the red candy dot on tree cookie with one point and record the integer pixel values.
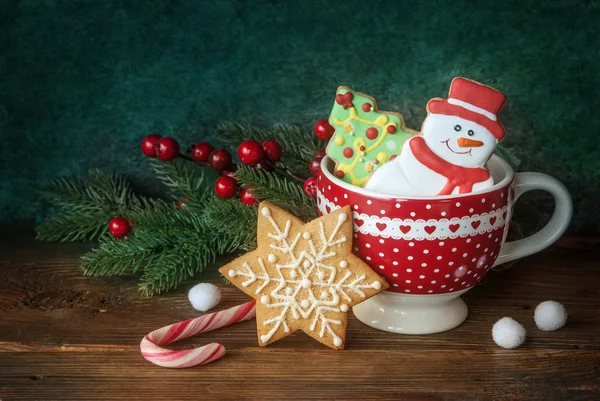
(391, 129)
(348, 153)
(119, 227)
(367, 107)
(225, 187)
(339, 174)
(250, 152)
(149, 145)
(372, 133)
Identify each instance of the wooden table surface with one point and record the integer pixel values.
(68, 337)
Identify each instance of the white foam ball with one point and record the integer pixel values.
(550, 316)
(508, 333)
(204, 296)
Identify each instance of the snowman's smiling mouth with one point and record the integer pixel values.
(468, 152)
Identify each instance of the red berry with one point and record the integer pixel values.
(273, 150)
(201, 151)
(225, 187)
(250, 152)
(119, 227)
(323, 130)
(319, 154)
(180, 203)
(167, 149)
(149, 144)
(219, 159)
(310, 187)
(314, 167)
(372, 133)
(247, 197)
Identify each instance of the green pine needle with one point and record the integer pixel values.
(87, 206)
(168, 246)
(182, 177)
(278, 190)
(298, 145)
(232, 219)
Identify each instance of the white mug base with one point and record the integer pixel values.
(412, 314)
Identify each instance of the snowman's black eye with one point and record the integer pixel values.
(457, 128)
(470, 132)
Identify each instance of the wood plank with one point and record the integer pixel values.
(278, 373)
(64, 336)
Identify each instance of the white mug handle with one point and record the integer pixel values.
(563, 209)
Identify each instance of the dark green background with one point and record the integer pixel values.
(83, 81)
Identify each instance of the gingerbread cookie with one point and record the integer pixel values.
(303, 276)
(365, 138)
(458, 137)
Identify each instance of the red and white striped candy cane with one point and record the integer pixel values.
(151, 344)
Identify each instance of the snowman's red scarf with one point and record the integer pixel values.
(462, 177)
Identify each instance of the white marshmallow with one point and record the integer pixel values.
(204, 296)
(550, 316)
(508, 333)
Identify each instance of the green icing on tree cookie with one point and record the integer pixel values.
(365, 138)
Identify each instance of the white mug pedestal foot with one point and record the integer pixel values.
(412, 314)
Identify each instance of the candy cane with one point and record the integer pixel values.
(151, 344)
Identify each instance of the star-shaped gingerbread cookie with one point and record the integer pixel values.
(303, 276)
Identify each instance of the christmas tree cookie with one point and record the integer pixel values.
(365, 138)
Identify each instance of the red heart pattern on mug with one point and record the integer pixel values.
(423, 246)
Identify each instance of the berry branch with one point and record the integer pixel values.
(167, 242)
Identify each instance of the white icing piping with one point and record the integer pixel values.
(283, 295)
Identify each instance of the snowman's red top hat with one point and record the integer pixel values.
(472, 101)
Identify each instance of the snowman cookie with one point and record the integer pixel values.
(457, 138)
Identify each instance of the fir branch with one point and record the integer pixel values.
(232, 219)
(86, 207)
(298, 145)
(278, 190)
(64, 192)
(182, 178)
(168, 246)
(74, 225)
(298, 142)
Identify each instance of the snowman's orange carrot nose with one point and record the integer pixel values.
(469, 143)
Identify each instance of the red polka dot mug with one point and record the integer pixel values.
(433, 249)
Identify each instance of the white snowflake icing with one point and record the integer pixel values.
(309, 270)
